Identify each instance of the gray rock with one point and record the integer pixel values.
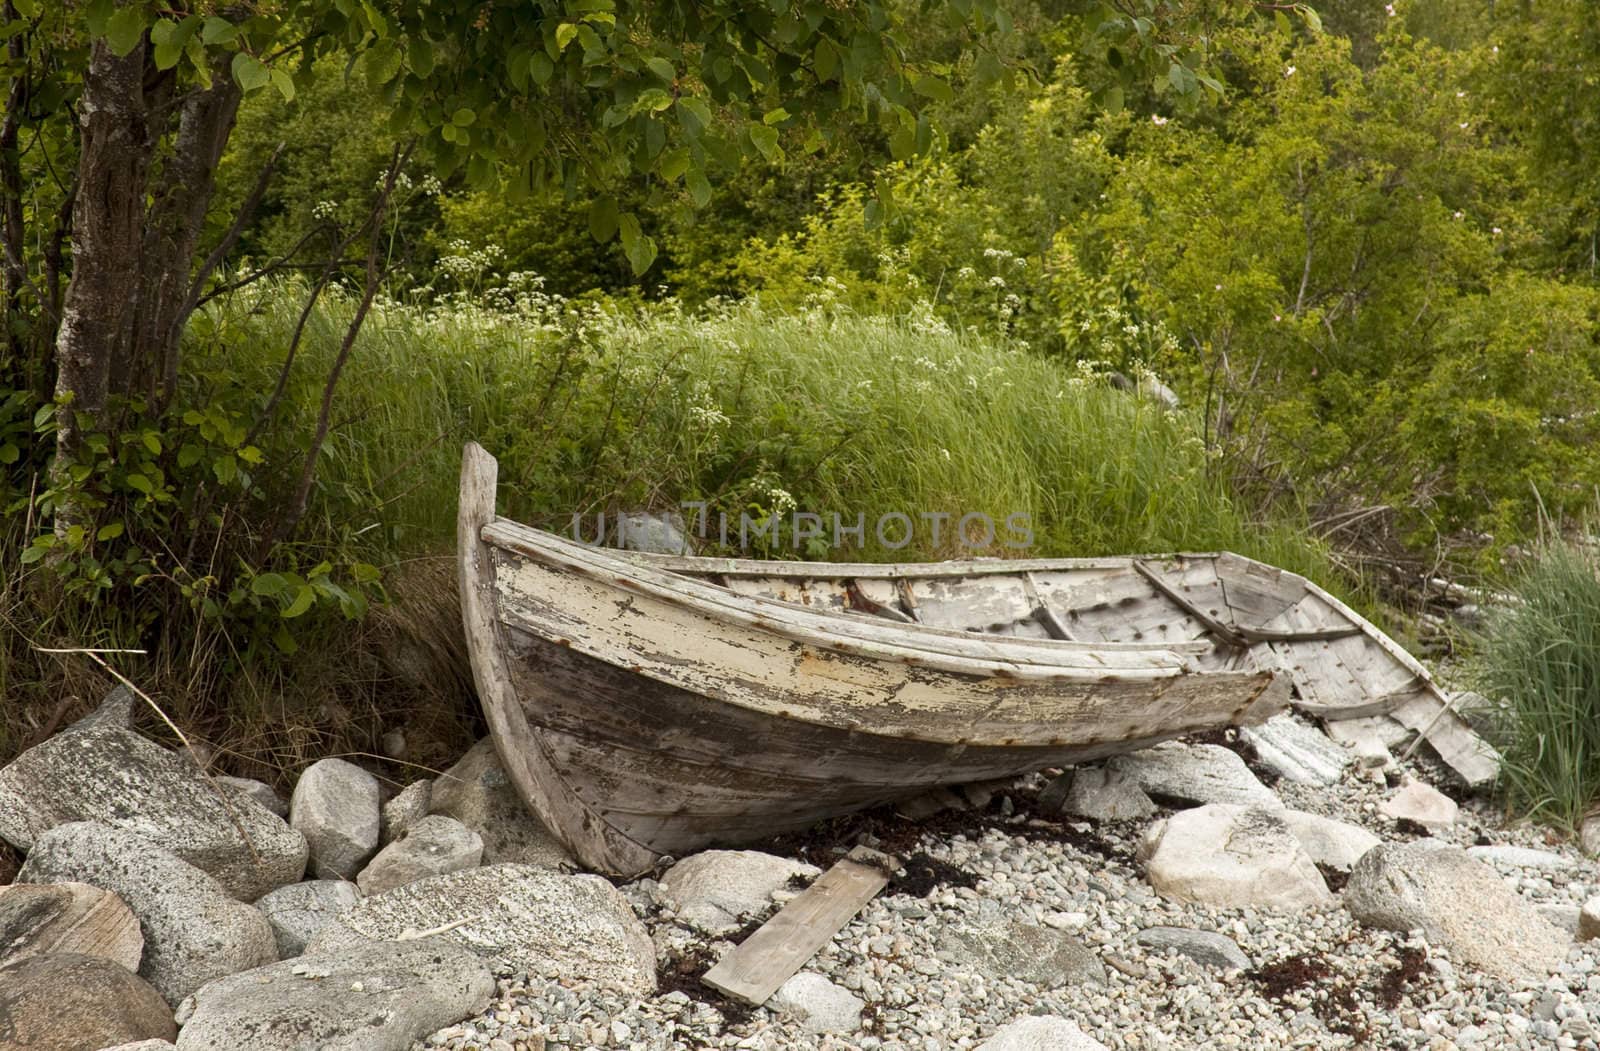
(1041, 1034)
(1565, 918)
(1232, 856)
(1336, 844)
(1589, 920)
(477, 793)
(260, 791)
(1297, 752)
(1523, 858)
(335, 806)
(1102, 794)
(1368, 741)
(300, 910)
(193, 930)
(71, 1002)
(144, 1045)
(714, 891)
(1589, 836)
(1205, 947)
(39, 919)
(433, 846)
(520, 917)
(817, 1004)
(1195, 773)
(661, 534)
(380, 996)
(1459, 904)
(408, 806)
(998, 947)
(119, 779)
(116, 712)
(1422, 803)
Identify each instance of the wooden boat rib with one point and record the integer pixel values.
(650, 705)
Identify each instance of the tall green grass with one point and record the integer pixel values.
(592, 411)
(1540, 659)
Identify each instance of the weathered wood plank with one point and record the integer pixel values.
(756, 968)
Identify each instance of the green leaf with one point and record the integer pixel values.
(284, 641)
(268, 584)
(640, 250)
(603, 218)
(9, 453)
(364, 572)
(381, 63)
(189, 455)
(825, 60)
(169, 43)
(109, 532)
(218, 31)
(1313, 20)
(694, 115)
(463, 117)
(565, 33)
(419, 54)
(302, 602)
(151, 441)
(933, 88)
(249, 72)
(765, 139)
(777, 116)
(284, 83)
(125, 28)
(26, 8)
(662, 68)
(226, 468)
(673, 163)
(140, 483)
(1111, 100)
(699, 188)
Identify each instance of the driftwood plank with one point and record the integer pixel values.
(754, 970)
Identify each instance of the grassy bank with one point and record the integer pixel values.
(751, 412)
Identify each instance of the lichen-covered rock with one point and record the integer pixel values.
(115, 777)
(1336, 844)
(300, 910)
(1459, 904)
(379, 996)
(477, 793)
(335, 806)
(408, 806)
(520, 917)
(193, 930)
(433, 846)
(72, 1002)
(991, 942)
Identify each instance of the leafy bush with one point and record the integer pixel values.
(1540, 661)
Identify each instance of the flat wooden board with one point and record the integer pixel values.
(755, 969)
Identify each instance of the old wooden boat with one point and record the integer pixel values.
(650, 707)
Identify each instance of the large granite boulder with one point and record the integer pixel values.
(519, 917)
(51, 918)
(335, 806)
(115, 777)
(193, 929)
(71, 1002)
(1459, 904)
(1232, 856)
(477, 793)
(376, 996)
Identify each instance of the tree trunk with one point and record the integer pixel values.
(97, 310)
(172, 232)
